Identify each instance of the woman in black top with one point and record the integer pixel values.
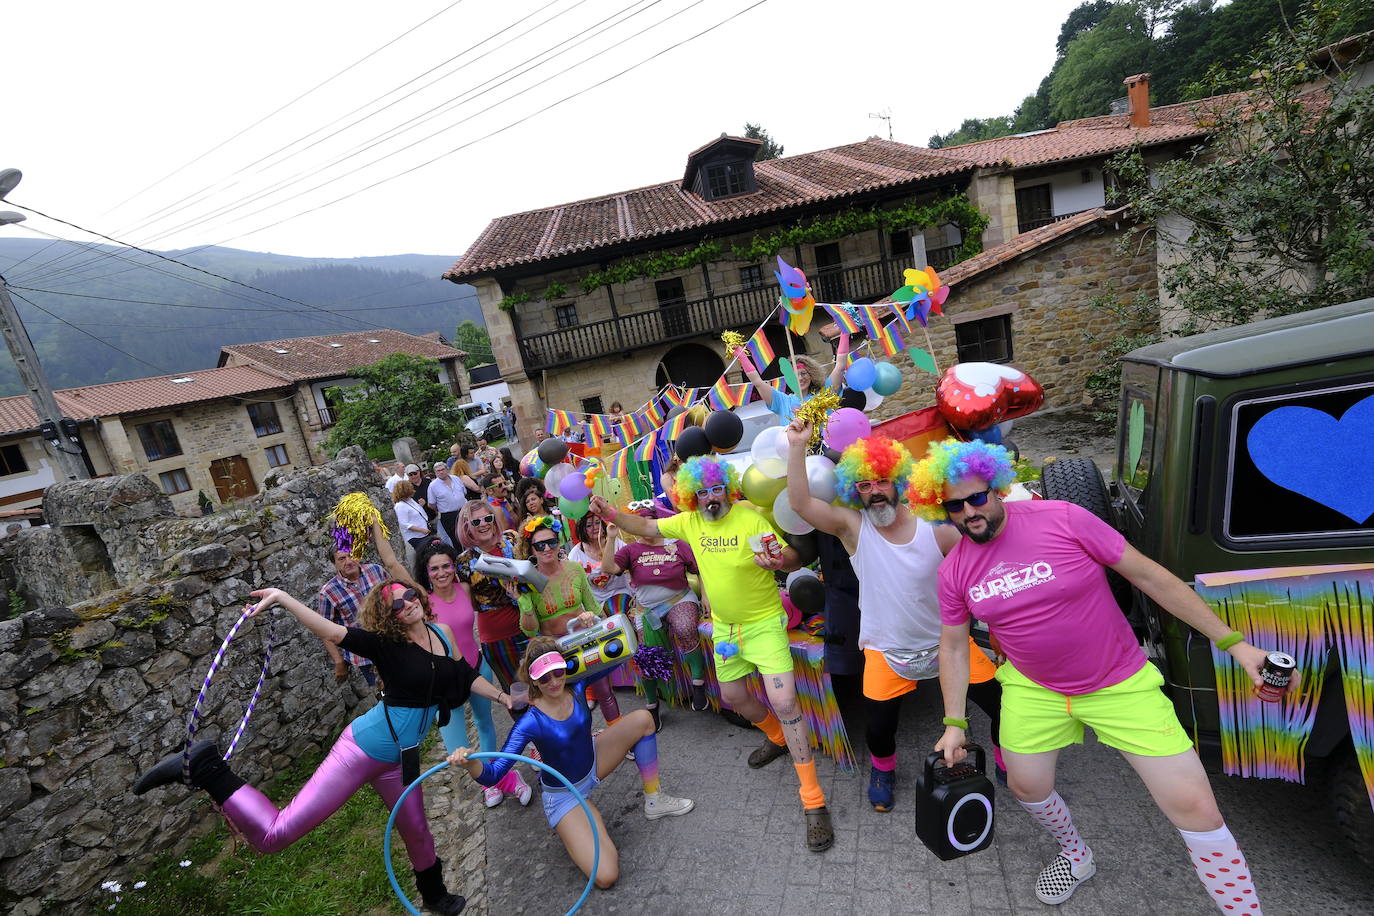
(425, 679)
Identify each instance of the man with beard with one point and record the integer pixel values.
(1034, 572)
(896, 557)
(749, 624)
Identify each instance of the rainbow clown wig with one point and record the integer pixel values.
(700, 473)
(872, 458)
(951, 462)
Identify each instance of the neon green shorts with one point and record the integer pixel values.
(1133, 716)
(763, 647)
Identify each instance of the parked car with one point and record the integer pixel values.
(1247, 449)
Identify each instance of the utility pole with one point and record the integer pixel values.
(60, 434)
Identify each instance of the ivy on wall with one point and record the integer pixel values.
(956, 210)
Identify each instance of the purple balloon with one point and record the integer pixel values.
(846, 426)
(574, 488)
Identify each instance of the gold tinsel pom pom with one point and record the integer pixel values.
(816, 410)
(356, 515)
(733, 340)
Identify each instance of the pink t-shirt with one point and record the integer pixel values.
(459, 615)
(665, 564)
(1041, 588)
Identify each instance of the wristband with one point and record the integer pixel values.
(613, 513)
(1230, 639)
(956, 723)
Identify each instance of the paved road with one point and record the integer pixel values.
(741, 851)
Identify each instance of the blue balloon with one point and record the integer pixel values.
(992, 435)
(860, 374)
(887, 380)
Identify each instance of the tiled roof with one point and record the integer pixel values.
(1022, 244)
(134, 395)
(663, 209)
(306, 358)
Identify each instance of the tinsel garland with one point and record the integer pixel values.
(733, 340)
(816, 410)
(655, 663)
(354, 517)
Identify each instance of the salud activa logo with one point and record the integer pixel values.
(719, 543)
(1006, 579)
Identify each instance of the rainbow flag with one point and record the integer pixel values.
(696, 394)
(558, 421)
(644, 450)
(848, 323)
(634, 425)
(653, 413)
(890, 340)
(723, 395)
(676, 425)
(592, 437)
(676, 396)
(871, 321)
(760, 350)
(601, 423)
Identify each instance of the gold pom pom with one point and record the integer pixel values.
(816, 410)
(356, 514)
(733, 340)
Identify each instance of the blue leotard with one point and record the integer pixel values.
(565, 745)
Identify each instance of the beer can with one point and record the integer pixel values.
(771, 545)
(1277, 674)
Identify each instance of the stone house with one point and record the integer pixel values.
(606, 299)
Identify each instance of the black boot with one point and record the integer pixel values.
(658, 719)
(208, 772)
(430, 884)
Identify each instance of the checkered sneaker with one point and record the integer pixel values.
(1061, 878)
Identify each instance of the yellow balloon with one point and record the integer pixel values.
(759, 488)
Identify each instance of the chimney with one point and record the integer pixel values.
(1138, 99)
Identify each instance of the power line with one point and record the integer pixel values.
(227, 308)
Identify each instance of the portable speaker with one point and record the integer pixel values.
(954, 809)
(607, 643)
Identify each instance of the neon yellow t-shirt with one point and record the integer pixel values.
(739, 591)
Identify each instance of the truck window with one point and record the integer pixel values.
(1294, 460)
(1135, 450)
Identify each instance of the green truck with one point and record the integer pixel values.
(1251, 448)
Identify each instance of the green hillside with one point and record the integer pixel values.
(170, 319)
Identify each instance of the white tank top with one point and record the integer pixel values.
(899, 602)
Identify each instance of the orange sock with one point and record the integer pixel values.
(771, 727)
(811, 794)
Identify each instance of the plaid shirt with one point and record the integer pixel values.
(339, 600)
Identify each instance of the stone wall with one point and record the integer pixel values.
(1058, 333)
(130, 605)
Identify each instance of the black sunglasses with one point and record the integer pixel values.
(398, 604)
(546, 544)
(479, 522)
(973, 499)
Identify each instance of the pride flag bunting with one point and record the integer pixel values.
(558, 421)
(724, 395)
(676, 425)
(846, 319)
(653, 413)
(602, 424)
(760, 350)
(676, 396)
(645, 450)
(890, 340)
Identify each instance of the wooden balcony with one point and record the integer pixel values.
(744, 309)
(1036, 223)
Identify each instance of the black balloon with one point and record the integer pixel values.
(724, 430)
(831, 453)
(552, 451)
(808, 594)
(851, 398)
(805, 545)
(693, 442)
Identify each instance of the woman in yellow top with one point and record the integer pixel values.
(567, 596)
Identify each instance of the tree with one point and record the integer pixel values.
(1273, 216)
(1096, 62)
(399, 396)
(474, 340)
(1080, 19)
(973, 129)
(771, 148)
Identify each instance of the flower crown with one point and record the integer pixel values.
(541, 521)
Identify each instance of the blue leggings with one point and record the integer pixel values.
(455, 733)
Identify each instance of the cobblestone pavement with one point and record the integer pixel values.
(741, 850)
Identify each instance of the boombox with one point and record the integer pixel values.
(607, 643)
(516, 570)
(954, 810)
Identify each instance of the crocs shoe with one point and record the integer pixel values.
(661, 805)
(492, 796)
(820, 834)
(766, 753)
(523, 792)
(880, 786)
(1061, 878)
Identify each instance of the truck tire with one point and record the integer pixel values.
(1350, 804)
(1077, 481)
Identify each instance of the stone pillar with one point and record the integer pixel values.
(995, 194)
(406, 450)
(117, 446)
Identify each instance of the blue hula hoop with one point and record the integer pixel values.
(493, 755)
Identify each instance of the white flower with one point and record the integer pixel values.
(110, 907)
(185, 863)
(114, 887)
(140, 885)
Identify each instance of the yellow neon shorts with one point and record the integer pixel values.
(1133, 716)
(763, 647)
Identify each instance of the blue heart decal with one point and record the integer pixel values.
(1325, 459)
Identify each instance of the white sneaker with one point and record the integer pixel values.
(660, 805)
(492, 796)
(1061, 878)
(523, 792)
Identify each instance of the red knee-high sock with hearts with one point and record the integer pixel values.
(1222, 869)
(1053, 815)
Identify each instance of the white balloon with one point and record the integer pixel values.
(555, 476)
(771, 443)
(871, 400)
(820, 477)
(772, 467)
(787, 518)
(802, 573)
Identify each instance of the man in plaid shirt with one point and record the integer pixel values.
(341, 598)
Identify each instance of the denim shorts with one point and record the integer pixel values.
(558, 802)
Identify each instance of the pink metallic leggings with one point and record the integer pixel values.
(343, 772)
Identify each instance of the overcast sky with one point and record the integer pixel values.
(104, 101)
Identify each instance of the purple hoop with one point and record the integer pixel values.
(192, 721)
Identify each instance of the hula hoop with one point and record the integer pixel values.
(193, 721)
(493, 755)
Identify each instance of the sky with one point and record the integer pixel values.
(348, 128)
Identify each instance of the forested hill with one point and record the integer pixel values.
(170, 319)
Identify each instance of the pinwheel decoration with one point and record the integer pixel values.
(796, 301)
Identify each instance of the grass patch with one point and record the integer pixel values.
(335, 869)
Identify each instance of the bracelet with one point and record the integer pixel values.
(1230, 639)
(613, 513)
(956, 723)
